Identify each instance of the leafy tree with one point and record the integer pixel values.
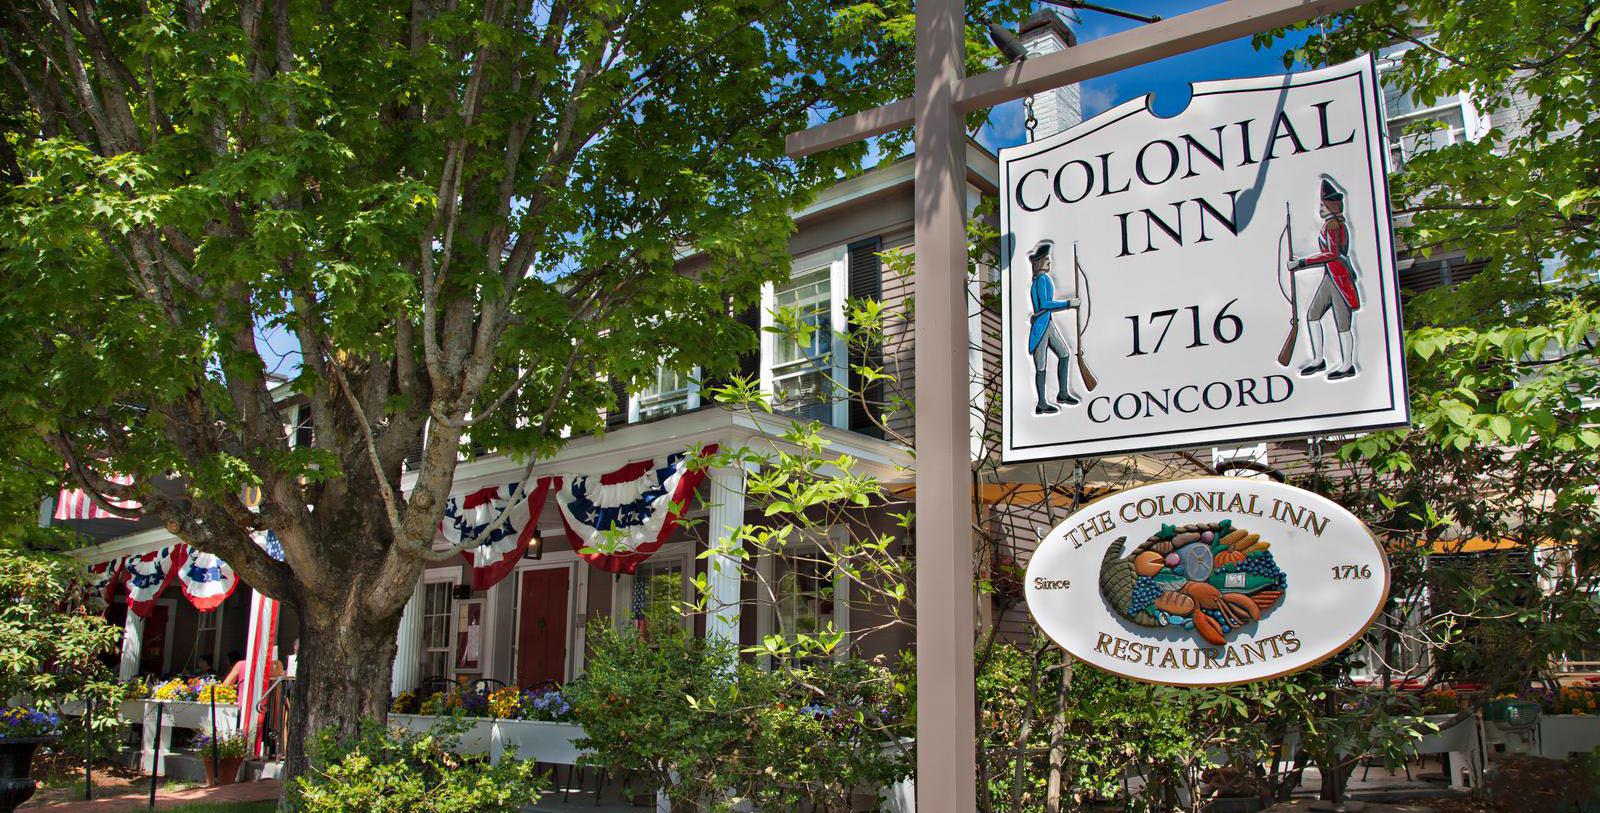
(466, 217)
(1503, 374)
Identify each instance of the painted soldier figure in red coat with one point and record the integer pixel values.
(1336, 292)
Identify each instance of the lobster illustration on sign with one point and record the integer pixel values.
(1212, 577)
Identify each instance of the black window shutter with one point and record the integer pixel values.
(750, 363)
(617, 415)
(866, 282)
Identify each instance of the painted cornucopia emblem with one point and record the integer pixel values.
(1214, 578)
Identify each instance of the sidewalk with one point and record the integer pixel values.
(261, 791)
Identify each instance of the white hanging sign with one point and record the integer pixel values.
(1209, 581)
(1225, 274)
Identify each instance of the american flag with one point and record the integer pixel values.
(74, 503)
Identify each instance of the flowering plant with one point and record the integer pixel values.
(20, 722)
(224, 694)
(174, 689)
(136, 689)
(505, 703)
(1574, 700)
(545, 705)
(229, 746)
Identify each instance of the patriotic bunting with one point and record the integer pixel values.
(146, 576)
(103, 578)
(470, 516)
(206, 580)
(630, 511)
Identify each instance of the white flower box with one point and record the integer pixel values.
(1563, 734)
(475, 740)
(539, 740)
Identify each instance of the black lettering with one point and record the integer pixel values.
(1116, 406)
(1152, 219)
(1227, 395)
(1190, 145)
(1150, 401)
(1122, 222)
(1088, 181)
(1281, 129)
(1172, 162)
(1178, 405)
(1024, 204)
(1288, 388)
(1090, 410)
(1230, 222)
(1247, 389)
(1244, 141)
(1322, 122)
(1105, 177)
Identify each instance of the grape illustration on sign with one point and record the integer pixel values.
(1220, 275)
(1208, 577)
(1208, 581)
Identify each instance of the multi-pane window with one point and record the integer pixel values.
(657, 588)
(206, 633)
(803, 369)
(436, 629)
(804, 593)
(671, 392)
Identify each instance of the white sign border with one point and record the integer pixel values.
(1383, 557)
(1398, 411)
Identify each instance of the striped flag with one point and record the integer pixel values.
(261, 634)
(74, 503)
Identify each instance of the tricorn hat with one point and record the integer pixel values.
(1331, 192)
(1041, 249)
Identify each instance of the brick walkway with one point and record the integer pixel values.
(165, 800)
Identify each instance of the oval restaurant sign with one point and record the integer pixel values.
(1210, 581)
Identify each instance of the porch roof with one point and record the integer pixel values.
(596, 454)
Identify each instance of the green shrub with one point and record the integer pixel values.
(685, 714)
(383, 770)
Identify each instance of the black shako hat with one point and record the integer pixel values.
(1331, 192)
(1041, 250)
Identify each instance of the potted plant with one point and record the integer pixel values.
(22, 731)
(222, 767)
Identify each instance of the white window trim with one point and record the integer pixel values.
(452, 576)
(841, 591)
(692, 399)
(838, 260)
(679, 553)
(216, 616)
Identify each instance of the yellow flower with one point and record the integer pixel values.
(174, 689)
(505, 702)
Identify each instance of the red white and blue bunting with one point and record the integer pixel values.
(629, 512)
(103, 578)
(503, 520)
(206, 580)
(145, 577)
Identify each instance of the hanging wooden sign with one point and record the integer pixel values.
(1209, 581)
(1222, 275)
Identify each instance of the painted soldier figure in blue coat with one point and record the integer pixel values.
(1044, 339)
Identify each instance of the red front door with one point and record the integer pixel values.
(542, 636)
(153, 646)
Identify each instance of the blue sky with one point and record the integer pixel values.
(1168, 79)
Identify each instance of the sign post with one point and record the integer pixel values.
(946, 722)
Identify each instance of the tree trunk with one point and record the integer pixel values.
(1058, 731)
(345, 663)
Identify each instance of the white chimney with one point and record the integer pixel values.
(1059, 109)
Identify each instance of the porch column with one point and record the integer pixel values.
(722, 571)
(132, 643)
(407, 645)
